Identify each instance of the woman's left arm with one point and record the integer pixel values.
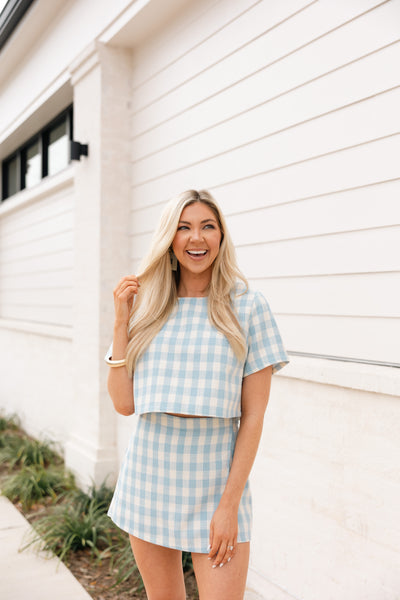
(224, 524)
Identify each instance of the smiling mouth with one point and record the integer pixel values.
(197, 253)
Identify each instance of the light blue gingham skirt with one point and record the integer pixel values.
(172, 478)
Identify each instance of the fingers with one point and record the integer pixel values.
(221, 552)
(124, 291)
(129, 282)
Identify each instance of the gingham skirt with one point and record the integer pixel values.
(172, 479)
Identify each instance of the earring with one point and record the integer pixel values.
(174, 262)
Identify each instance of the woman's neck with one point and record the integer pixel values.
(193, 286)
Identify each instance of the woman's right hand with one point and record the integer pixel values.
(124, 292)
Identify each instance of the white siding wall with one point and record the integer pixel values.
(36, 317)
(36, 261)
(287, 112)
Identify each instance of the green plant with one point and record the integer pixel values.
(122, 563)
(187, 561)
(10, 423)
(33, 483)
(7, 439)
(68, 529)
(23, 451)
(99, 496)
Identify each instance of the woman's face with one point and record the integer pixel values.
(197, 240)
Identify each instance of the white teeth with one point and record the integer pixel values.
(197, 252)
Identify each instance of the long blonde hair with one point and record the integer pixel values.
(158, 290)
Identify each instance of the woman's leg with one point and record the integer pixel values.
(161, 570)
(222, 583)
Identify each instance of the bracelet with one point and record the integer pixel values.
(115, 363)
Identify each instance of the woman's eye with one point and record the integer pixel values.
(209, 225)
(182, 227)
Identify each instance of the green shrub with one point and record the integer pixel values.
(23, 451)
(34, 483)
(68, 529)
(10, 423)
(96, 496)
(122, 563)
(8, 439)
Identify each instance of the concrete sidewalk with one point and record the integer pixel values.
(26, 575)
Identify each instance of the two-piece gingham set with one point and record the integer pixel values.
(175, 468)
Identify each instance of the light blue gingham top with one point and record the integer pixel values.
(190, 368)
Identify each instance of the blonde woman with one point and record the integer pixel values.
(197, 350)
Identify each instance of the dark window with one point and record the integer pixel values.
(45, 154)
(32, 165)
(10, 175)
(58, 148)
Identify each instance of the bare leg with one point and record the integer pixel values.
(222, 583)
(161, 570)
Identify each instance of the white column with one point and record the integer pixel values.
(102, 95)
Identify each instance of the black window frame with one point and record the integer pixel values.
(42, 136)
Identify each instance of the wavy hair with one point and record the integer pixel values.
(158, 290)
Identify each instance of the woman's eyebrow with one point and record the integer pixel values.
(201, 222)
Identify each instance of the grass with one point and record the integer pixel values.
(9, 423)
(121, 562)
(34, 483)
(67, 529)
(23, 451)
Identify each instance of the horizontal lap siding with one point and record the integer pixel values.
(288, 113)
(36, 261)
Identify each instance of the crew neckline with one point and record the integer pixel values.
(192, 297)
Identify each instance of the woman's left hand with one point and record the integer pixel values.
(223, 535)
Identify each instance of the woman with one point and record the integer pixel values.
(201, 349)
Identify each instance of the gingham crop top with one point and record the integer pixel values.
(190, 368)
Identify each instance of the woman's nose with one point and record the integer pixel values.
(195, 234)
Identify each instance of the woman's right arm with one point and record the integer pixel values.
(119, 383)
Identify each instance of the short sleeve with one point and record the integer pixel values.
(109, 352)
(264, 341)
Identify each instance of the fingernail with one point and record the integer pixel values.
(208, 557)
(229, 559)
(221, 565)
(209, 547)
(214, 566)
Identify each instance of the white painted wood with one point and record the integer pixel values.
(347, 168)
(306, 26)
(36, 261)
(287, 88)
(350, 336)
(38, 280)
(47, 315)
(368, 120)
(46, 263)
(243, 22)
(185, 33)
(354, 210)
(365, 251)
(356, 294)
(148, 58)
(41, 228)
